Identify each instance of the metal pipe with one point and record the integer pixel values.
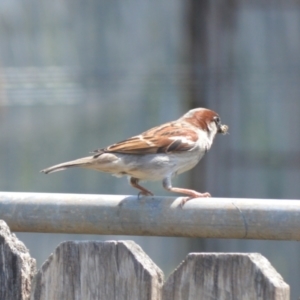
(159, 216)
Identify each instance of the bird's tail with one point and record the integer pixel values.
(81, 162)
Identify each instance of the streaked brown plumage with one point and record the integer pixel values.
(158, 153)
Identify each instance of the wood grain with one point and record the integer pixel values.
(98, 270)
(17, 268)
(223, 276)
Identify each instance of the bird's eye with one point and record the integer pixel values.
(217, 120)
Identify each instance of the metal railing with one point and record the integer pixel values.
(159, 216)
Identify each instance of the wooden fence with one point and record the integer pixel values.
(110, 270)
(114, 270)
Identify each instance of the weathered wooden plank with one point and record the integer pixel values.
(17, 268)
(234, 276)
(98, 270)
(159, 216)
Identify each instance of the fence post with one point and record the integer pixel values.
(121, 270)
(98, 270)
(16, 266)
(236, 276)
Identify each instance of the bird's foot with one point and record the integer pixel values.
(195, 195)
(144, 193)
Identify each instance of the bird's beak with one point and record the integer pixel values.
(223, 129)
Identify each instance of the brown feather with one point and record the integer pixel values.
(170, 137)
(175, 136)
(201, 119)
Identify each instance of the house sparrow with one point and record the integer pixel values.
(159, 153)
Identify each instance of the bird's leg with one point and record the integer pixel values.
(167, 184)
(135, 183)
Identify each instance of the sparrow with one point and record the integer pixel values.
(157, 154)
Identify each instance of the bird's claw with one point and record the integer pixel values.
(197, 195)
(144, 194)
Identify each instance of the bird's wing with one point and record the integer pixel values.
(170, 137)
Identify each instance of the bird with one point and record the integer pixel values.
(157, 154)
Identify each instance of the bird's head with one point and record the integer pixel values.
(206, 120)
